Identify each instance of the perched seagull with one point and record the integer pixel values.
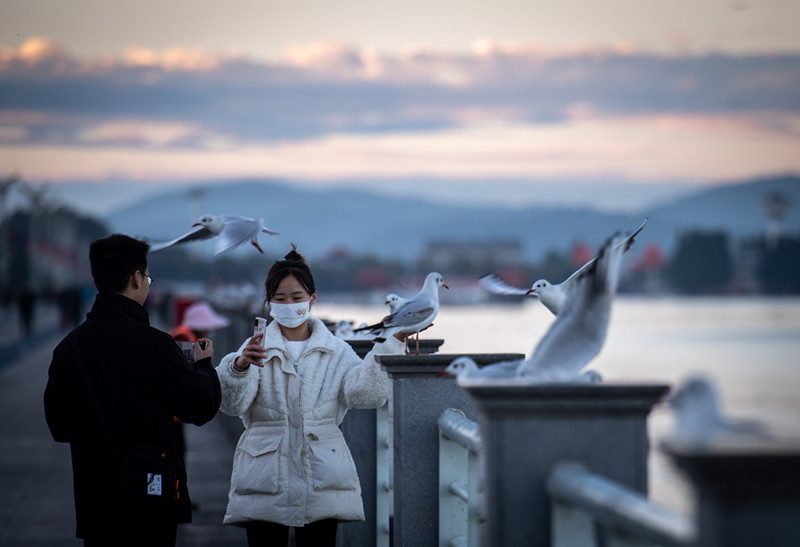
(231, 232)
(579, 331)
(343, 329)
(413, 315)
(465, 367)
(394, 301)
(699, 420)
(552, 296)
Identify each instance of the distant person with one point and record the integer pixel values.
(199, 321)
(26, 304)
(70, 304)
(292, 387)
(114, 385)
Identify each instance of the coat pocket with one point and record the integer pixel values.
(257, 465)
(332, 466)
(147, 475)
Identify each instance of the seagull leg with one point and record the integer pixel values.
(419, 331)
(255, 244)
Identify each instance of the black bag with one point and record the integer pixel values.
(147, 473)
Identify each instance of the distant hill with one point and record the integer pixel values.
(318, 221)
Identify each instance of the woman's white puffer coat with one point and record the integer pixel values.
(292, 465)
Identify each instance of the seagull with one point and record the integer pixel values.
(579, 331)
(231, 231)
(699, 420)
(575, 337)
(465, 367)
(552, 296)
(414, 315)
(394, 301)
(343, 329)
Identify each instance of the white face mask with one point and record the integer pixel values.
(291, 315)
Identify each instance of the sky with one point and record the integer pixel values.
(507, 101)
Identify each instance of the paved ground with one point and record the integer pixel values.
(36, 506)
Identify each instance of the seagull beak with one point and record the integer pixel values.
(530, 291)
(445, 286)
(196, 224)
(443, 373)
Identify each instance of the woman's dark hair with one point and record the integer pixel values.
(114, 259)
(291, 264)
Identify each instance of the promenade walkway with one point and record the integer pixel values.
(36, 504)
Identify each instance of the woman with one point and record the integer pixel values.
(292, 466)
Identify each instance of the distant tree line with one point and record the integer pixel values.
(702, 263)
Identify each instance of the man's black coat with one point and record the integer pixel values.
(142, 380)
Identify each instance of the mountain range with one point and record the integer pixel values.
(364, 223)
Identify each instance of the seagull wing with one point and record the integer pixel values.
(412, 313)
(624, 246)
(198, 234)
(497, 285)
(578, 334)
(270, 232)
(237, 230)
(627, 243)
(577, 274)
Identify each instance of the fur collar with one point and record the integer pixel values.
(320, 340)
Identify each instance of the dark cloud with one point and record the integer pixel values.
(346, 92)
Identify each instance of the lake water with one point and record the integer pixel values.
(750, 347)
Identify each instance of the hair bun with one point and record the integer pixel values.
(293, 255)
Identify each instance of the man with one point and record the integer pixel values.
(113, 398)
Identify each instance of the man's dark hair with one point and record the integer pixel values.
(114, 259)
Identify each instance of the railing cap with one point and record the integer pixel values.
(434, 364)
(514, 395)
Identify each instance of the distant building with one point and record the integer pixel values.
(50, 250)
(444, 255)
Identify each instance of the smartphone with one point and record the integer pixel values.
(260, 327)
(187, 348)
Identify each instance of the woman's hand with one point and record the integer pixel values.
(200, 353)
(252, 354)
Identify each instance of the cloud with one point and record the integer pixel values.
(583, 111)
(642, 149)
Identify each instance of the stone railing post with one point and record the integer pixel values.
(746, 494)
(527, 429)
(359, 429)
(418, 395)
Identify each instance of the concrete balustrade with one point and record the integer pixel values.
(527, 429)
(418, 396)
(747, 493)
(359, 428)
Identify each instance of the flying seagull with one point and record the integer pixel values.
(579, 331)
(230, 231)
(576, 336)
(552, 296)
(414, 315)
